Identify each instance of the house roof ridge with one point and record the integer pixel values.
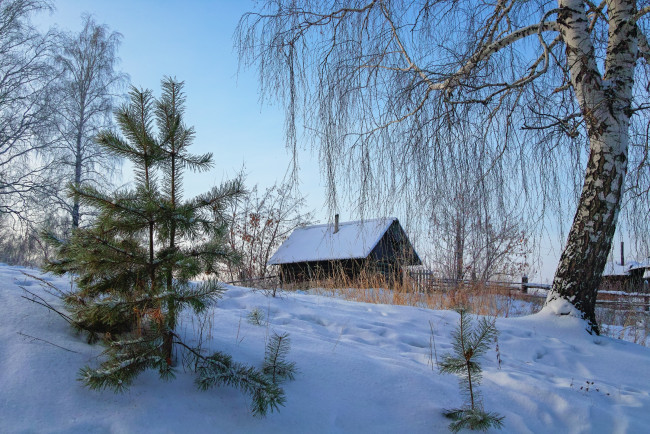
(352, 222)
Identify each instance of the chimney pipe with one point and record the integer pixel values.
(336, 223)
(622, 255)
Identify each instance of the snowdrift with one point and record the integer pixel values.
(363, 368)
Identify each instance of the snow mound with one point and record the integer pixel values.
(364, 368)
(561, 307)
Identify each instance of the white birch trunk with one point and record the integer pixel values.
(605, 101)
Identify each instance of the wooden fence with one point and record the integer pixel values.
(259, 282)
(424, 281)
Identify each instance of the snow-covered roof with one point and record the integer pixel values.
(614, 269)
(645, 264)
(318, 243)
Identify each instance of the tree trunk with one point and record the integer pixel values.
(605, 102)
(168, 344)
(458, 252)
(76, 217)
(582, 262)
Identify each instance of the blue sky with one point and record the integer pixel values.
(192, 41)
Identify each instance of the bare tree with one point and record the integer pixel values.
(383, 82)
(473, 235)
(25, 106)
(20, 240)
(260, 223)
(637, 207)
(85, 96)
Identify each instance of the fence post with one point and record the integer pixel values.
(524, 284)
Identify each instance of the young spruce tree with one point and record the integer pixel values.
(134, 264)
(276, 367)
(469, 343)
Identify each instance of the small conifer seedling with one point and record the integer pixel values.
(469, 343)
(275, 365)
(256, 316)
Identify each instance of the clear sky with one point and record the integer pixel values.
(192, 40)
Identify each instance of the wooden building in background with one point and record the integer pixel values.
(345, 250)
(630, 277)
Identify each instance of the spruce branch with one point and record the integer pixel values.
(126, 359)
(118, 374)
(473, 419)
(220, 370)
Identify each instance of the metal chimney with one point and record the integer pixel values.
(336, 223)
(622, 255)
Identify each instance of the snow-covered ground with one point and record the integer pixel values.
(364, 368)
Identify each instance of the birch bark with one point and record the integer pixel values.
(605, 102)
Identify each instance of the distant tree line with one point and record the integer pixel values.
(57, 90)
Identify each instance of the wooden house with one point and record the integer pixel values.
(631, 277)
(345, 250)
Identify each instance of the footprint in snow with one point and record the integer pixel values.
(312, 319)
(282, 321)
(415, 343)
(540, 353)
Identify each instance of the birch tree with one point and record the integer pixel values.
(25, 127)
(382, 85)
(86, 92)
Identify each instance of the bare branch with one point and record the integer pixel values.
(34, 338)
(485, 52)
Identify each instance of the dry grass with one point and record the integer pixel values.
(477, 298)
(623, 320)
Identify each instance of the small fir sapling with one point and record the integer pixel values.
(135, 262)
(275, 365)
(469, 343)
(256, 316)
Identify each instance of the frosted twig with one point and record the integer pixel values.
(34, 338)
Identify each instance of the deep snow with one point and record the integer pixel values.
(364, 368)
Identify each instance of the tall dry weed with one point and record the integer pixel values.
(373, 287)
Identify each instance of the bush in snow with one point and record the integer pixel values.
(469, 343)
